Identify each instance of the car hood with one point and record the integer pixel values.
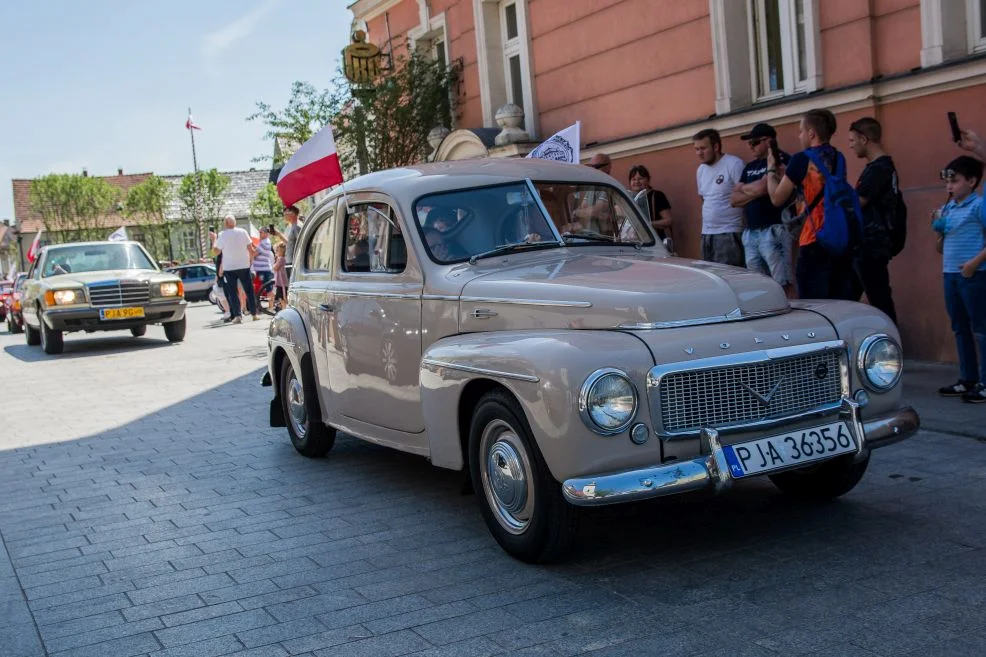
(108, 276)
(616, 289)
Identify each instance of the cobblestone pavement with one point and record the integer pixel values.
(147, 509)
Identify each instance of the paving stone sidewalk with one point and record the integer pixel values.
(146, 509)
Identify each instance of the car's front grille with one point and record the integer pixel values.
(716, 397)
(122, 293)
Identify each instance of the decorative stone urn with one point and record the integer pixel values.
(435, 138)
(509, 118)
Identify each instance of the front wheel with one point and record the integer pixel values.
(521, 502)
(138, 331)
(299, 403)
(825, 481)
(52, 341)
(175, 331)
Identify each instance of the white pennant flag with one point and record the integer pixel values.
(118, 235)
(563, 146)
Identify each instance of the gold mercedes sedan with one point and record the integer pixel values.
(99, 286)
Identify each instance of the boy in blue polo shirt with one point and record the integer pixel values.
(962, 222)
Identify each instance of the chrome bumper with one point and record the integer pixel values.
(712, 472)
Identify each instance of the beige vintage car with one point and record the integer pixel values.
(99, 286)
(519, 321)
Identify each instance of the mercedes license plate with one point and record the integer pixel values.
(121, 313)
(789, 449)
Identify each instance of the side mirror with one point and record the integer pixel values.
(669, 245)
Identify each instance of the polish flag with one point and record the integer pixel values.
(313, 168)
(190, 125)
(32, 253)
(254, 234)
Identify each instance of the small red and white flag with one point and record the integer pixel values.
(32, 253)
(313, 168)
(254, 234)
(190, 124)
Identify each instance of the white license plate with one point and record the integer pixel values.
(789, 449)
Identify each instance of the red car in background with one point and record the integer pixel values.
(10, 304)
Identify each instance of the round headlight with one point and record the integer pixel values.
(880, 363)
(608, 401)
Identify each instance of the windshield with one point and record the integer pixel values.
(457, 226)
(95, 257)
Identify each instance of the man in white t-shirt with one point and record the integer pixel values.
(722, 224)
(237, 249)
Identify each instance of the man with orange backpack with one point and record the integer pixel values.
(828, 204)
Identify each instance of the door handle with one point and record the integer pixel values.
(326, 307)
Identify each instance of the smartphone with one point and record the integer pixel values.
(953, 123)
(775, 149)
(270, 228)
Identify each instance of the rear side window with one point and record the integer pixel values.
(318, 256)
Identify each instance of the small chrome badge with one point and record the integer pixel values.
(811, 334)
(689, 350)
(724, 345)
(785, 336)
(758, 340)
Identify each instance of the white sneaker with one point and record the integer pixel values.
(238, 319)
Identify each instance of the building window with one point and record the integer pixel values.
(977, 25)
(780, 55)
(505, 69)
(764, 49)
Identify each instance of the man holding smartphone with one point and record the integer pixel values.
(766, 241)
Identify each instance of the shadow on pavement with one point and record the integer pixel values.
(224, 492)
(91, 346)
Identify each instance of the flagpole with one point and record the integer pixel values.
(191, 133)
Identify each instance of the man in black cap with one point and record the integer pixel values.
(766, 241)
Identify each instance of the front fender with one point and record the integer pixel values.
(544, 370)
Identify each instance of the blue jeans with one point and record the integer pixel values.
(965, 300)
(241, 276)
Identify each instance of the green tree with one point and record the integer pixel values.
(145, 205)
(201, 196)
(73, 207)
(308, 110)
(266, 206)
(378, 125)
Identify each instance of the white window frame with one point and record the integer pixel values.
(759, 67)
(977, 36)
(950, 30)
(734, 53)
(493, 54)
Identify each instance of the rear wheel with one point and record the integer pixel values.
(299, 401)
(175, 331)
(138, 331)
(825, 481)
(520, 500)
(52, 341)
(32, 336)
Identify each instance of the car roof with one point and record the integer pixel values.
(409, 183)
(55, 247)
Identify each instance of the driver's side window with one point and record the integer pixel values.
(374, 240)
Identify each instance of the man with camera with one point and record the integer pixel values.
(766, 241)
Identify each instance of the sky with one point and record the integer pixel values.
(106, 84)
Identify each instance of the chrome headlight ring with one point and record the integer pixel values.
(879, 362)
(589, 403)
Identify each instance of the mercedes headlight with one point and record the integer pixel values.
(170, 289)
(608, 401)
(880, 363)
(66, 297)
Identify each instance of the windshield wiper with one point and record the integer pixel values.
(599, 237)
(510, 248)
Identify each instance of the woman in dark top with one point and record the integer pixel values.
(652, 202)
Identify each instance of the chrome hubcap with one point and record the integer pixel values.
(296, 405)
(506, 477)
